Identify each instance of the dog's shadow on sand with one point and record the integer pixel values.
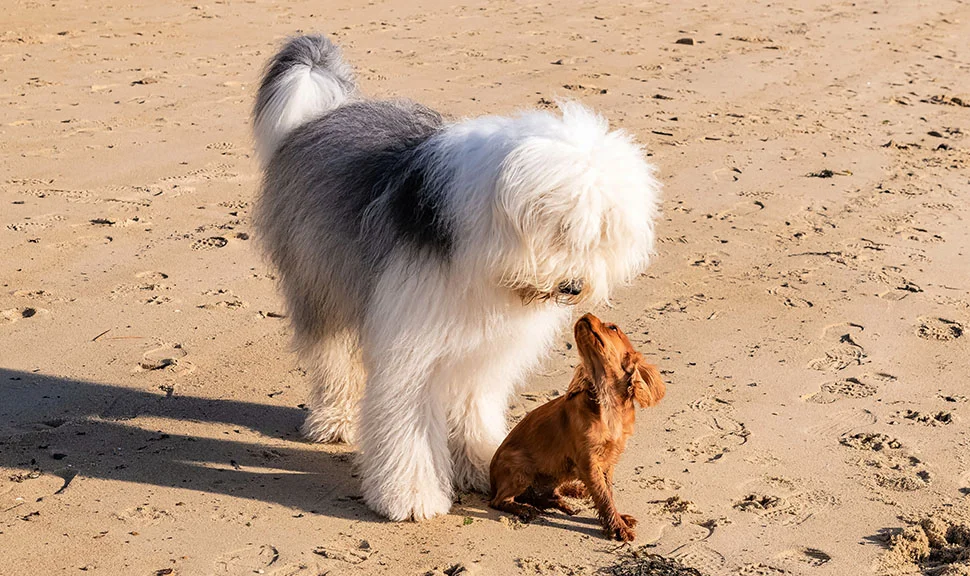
(475, 506)
(72, 428)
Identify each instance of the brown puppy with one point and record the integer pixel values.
(578, 436)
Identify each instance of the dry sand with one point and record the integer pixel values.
(813, 330)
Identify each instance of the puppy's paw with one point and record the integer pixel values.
(621, 528)
(624, 534)
(528, 514)
(567, 508)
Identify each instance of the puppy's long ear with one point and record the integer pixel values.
(648, 388)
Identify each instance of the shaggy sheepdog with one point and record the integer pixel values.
(427, 265)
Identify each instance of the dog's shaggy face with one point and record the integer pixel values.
(577, 221)
(563, 207)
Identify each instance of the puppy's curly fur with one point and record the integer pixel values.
(569, 446)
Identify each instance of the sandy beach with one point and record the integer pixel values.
(808, 304)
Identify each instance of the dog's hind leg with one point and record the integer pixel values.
(573, 489)
(552, 500)
(547, 498)
(509, 483)
(525, 512)
(333, 362)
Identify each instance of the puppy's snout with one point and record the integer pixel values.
(572, 287)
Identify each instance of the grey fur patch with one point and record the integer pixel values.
(338, 195)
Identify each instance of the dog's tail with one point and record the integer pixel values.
(306, 79)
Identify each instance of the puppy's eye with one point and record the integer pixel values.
(612, 327)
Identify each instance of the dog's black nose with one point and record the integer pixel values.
(572, 287)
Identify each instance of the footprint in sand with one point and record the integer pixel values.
(33, 294)
(169, 357)
(900, 286)
(840, 389)
(842, 422)
(941, 418)
(844, 353)
(220, 146)
(760, 569)
(654, 482)
(789, 297)
(812, 557)
(531, 565)
(11, 315)
(710, 430)
(741, 210)
(29, 181)
(148, 288)
(939, 329)
(888, 463)
(787, 510)
(711, 262)
(252, 559)
(209, 243)
(151, 276)
(584, 89)
(32, 225)
(703, 558)
(143, 515)
(917, 234)
(220, 171)
(349, 550)
(796, 302)
(783, 501)
(226, 299)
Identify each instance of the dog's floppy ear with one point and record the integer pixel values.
(648, 388)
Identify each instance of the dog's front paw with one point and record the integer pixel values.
(624, 534)
(621, 529)
(417, 503)
(326, 427)
(630, 520)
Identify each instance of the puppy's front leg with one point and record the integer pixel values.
(595, 477)
(608, 475)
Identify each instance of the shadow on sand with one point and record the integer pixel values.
(72, 428)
